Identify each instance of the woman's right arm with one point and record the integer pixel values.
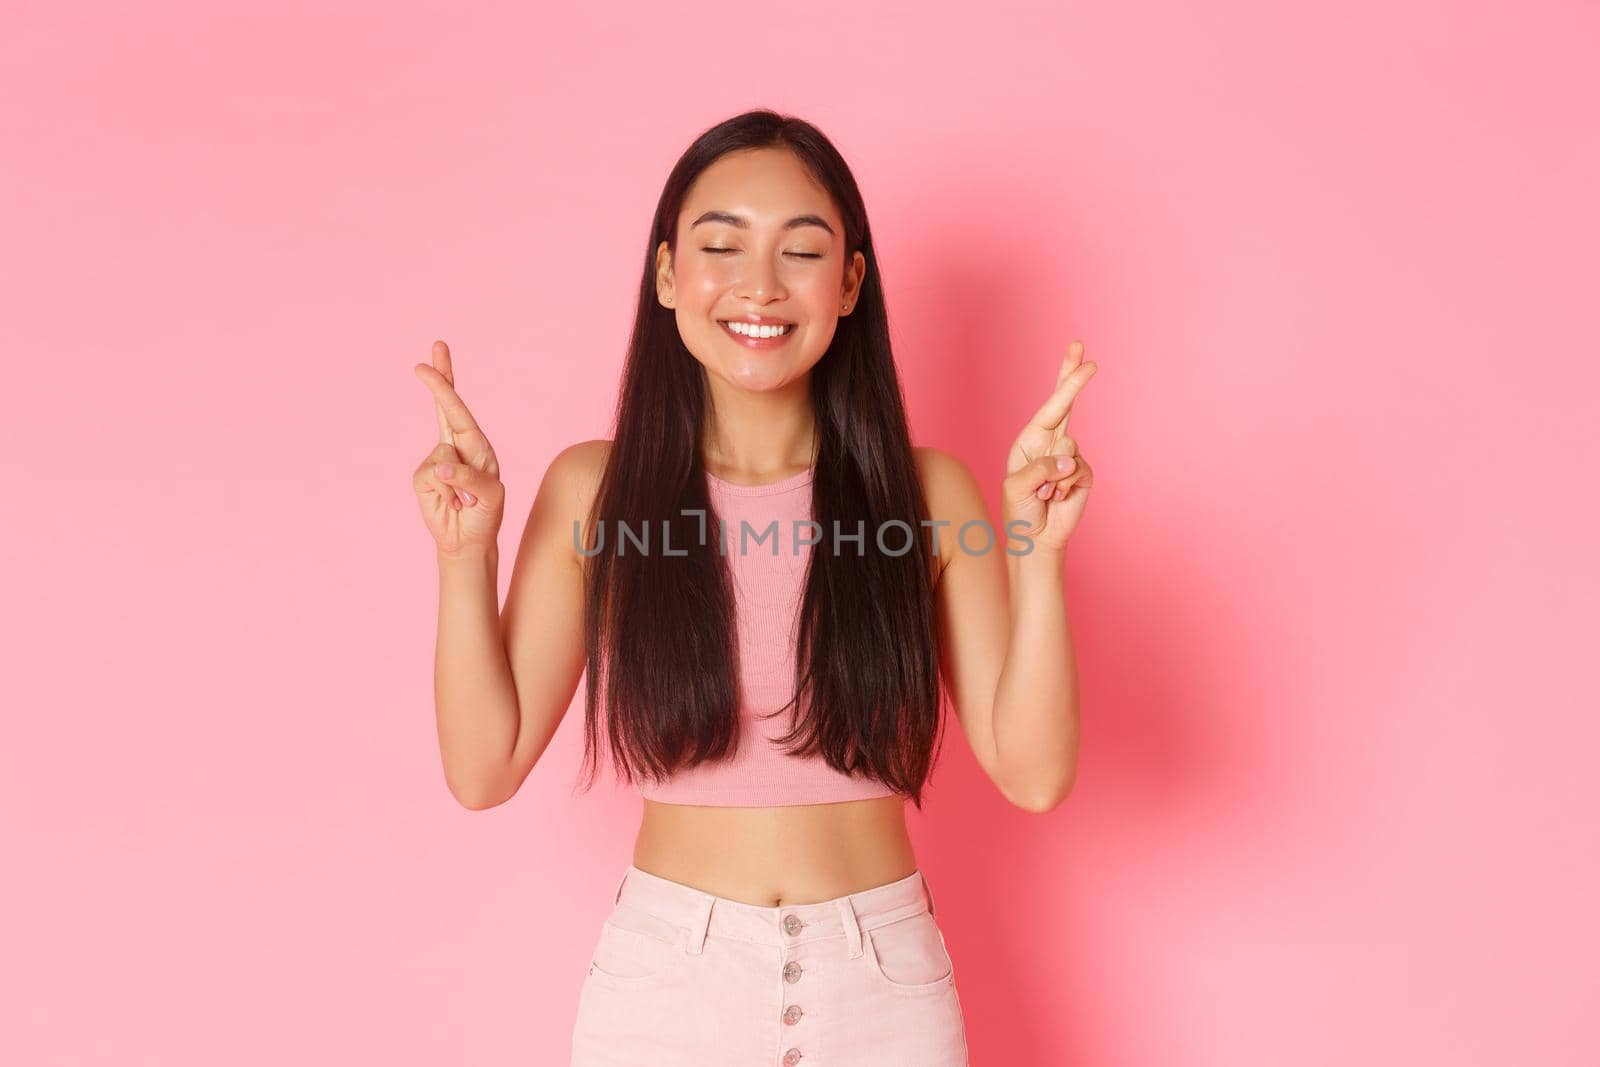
(502, 681)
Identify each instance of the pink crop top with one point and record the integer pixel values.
(767, 592)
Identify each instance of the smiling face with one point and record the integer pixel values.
(758, 239)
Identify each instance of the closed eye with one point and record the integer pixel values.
(798, 255)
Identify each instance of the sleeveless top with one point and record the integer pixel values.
(769, 573)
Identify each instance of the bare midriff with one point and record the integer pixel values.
(781, 855)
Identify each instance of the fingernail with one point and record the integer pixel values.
(469, 497)
(445, 470)
(1063, 463)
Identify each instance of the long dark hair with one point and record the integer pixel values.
(662, 647)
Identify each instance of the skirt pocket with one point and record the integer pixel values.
(909, 955)
(635, 947)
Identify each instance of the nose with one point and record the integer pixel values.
(760, 283)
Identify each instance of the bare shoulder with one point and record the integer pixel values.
(567, 493)
(947, 482)
(952, 495)
(578, 467)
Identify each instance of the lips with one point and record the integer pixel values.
(759, 343)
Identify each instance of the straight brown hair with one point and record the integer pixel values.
(659, 629)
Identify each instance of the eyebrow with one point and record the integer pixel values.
(744, 224)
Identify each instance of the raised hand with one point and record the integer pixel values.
(1047, 481)
(458, 484)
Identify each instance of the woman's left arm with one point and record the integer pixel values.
(1008, 658)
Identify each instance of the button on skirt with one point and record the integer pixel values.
(682, 977)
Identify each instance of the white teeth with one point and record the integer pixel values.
(757, 331)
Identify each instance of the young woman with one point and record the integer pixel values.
(776, 698)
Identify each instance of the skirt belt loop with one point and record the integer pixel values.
(695, 935)
(852, 929)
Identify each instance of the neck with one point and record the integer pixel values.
(761, 436)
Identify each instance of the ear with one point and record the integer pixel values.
(665, 292)
(854, 275)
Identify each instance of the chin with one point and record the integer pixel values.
(760, 379)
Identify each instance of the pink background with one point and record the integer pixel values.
(1337, 799)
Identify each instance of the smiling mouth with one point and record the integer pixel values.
(784, 327)
(774, 341)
